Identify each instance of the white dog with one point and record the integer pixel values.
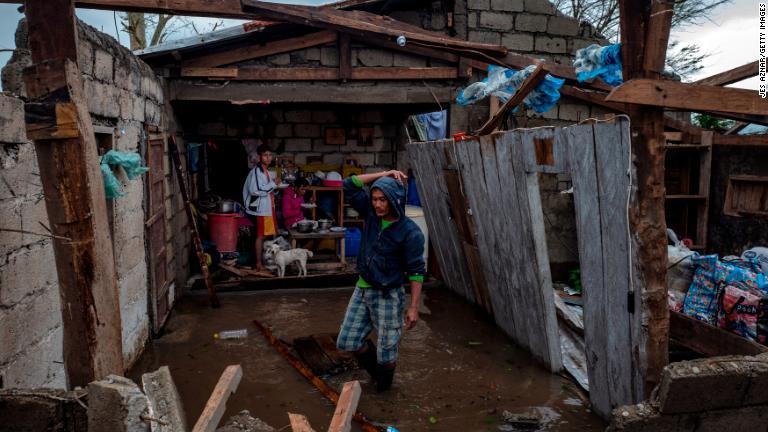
(283, 258)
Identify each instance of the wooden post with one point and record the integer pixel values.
(345, 57)
(59, 123)
(645, 26)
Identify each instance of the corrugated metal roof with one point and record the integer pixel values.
(200, 40)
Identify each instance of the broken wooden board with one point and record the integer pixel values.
(299, 423)
(691, 97)
(346, 407)
(319, 352)
(525, 88)
(217, 403)
(709, 340)
(164, 401)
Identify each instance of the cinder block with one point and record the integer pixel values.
(438, 21)
(329, 56)
(472, 20)
(497, 21)
(460, 7)
(164, 398)
(311, 54)
(18, 169)
(306, 130)
(40, 365)
(29, 321)
(518, 41)
(689, 386)
(577, 44)
(507, 5)
(318, 145)
(323, 117)
(301, 158)
(384, 159)
(564, 26)
(280, 59)
(152, 112)
(333, 158)
(374, 57)
(298, 116)
(103, 67)
(531, 23)
(298, 145)
(12, 126)
(460, 25)
(371, 117)
(484, 37)
(85, 57)
(283, 130)
(744, 419)
(550, 45)
(126, 104)
(138, 108)
(479, 4)
(26, 272)
(366, 159)
(405, 60)
(573, 112)
(116, 404)
(540, 6)
(644, 418)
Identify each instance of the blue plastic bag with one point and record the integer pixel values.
(503, 83)
(602, 62)
(131, 163)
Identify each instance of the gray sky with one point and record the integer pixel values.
(730, 38)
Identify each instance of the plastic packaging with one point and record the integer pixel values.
(231, 334)
(503, 83)
(131, 163)
(597, 61)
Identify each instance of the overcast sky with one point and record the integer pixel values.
(730, 38)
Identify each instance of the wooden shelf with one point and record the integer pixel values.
(699, 147)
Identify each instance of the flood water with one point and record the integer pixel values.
(456, 370)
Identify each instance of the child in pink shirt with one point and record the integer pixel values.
(292, 201)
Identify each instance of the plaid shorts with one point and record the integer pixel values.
(370, 309)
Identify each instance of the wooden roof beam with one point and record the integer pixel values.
(526, 87)
(320, 74)
(690, 97)
(730, 76)
(203, 8)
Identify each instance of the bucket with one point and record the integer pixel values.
(222, 228)
(416, 214)
(352, 242)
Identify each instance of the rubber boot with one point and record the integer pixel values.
(384, 376)
(367, 360)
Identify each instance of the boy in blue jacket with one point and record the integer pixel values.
(392, 248)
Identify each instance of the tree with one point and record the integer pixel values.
(604, 17)
(162, 26)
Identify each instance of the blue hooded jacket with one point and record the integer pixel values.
(386, 257)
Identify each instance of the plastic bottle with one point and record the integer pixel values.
(231, 334)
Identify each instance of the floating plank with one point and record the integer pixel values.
(346, 407)
(692, 97)
(299, 423)
(730, 76)
(709, 340)
(257, 50)
(217, 403)
(164, 401)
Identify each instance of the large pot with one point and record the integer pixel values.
(305, 226)
(226, 206)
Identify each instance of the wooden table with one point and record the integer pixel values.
(339, 237)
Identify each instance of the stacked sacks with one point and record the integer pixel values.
(732, 294)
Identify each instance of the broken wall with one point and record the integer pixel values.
(123, 96)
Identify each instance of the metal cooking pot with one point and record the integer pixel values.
(305, 226)
(324, 224)
(226, 206)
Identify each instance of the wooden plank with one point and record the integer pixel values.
(709, 340)
(346, 407)
(321, 74)
(203, 8)
(730, 76)
(403, 73)
(740, 140)
(74, 199)
(586, 198)
(257, 50)
(429, 160)
(345, 57)
(705, 170)
(364, 24)
(526, 87)
(299, 423)
(692, 97)
(217, 403)
(209, 72)
(192, 221)
(164, 401)
(306, 92)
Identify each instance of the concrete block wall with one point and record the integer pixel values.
(714, 394)
(30, 312)
(300, 131)
(123, 94)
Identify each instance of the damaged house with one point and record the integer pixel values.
(514, 204)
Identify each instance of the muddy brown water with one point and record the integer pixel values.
(456, 370)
